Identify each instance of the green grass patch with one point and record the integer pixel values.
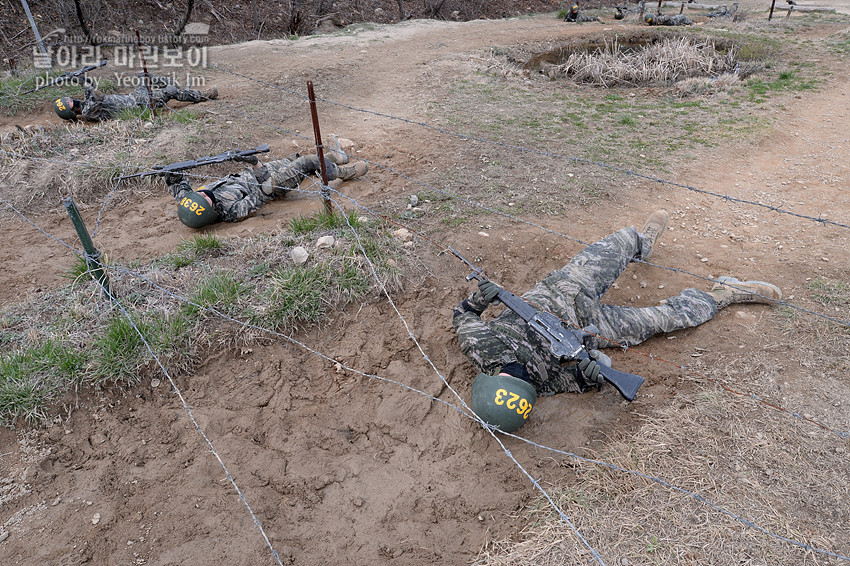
(300, 294)
(220, 290)
(12, 101)
(200, 244)
(30, 377)
(323, 220)
(829, 291)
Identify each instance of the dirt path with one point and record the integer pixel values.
(342, 469)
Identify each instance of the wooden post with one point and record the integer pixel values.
(326, 194)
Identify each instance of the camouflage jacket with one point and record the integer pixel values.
(238, 196)
(573, 294)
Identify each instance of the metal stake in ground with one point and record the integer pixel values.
(770, 15)
(326, 194)
(145, 69)
(92, 254)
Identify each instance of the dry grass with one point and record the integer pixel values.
(664, 62)
(779, 473)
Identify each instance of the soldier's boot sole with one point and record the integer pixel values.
(654, 227)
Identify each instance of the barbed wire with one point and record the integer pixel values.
(471, 415)
(753, 396)
(523, 149)
(504, 448)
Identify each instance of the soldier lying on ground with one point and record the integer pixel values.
(723, 11)
(97, 106)
(574, 15)
(512, 355)
(235, 197)
(664, 20)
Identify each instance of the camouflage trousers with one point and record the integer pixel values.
(574, 292)
(98, 106)
(286, 174)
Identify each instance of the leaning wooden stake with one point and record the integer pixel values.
(326, 194)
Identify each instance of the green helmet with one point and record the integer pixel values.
(64, 108)
(649, 18)
(502, 400)
(195, 211)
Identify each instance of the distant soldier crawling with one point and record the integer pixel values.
(97, 106)
(574, 15)
(664, 20)
(723, 11)
(235, 197)
(511, 354)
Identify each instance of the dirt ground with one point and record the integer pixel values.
(343, 469)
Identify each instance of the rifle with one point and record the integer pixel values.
(66, 76)
(181, 165)
(564, 343)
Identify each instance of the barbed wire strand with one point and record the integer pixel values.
(650, 356)
(522, 149)
(655, 480)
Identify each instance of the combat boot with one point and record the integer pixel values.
(654, 227)
(729, 290)
(335, 153)
(210, 94)
(352, 171)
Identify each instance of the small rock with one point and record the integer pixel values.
(4, 536)
(643, 284)
(96, 519)
(414, 200)
(704, 260)
(485, 234)
(402, 234)
(325, 242)
(155, 382)
(299, 255)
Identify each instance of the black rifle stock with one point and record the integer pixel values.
(209, 160)
(564, 343)
(65, 76)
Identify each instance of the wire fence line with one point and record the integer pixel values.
(660, 482)
(443, 248)
(574, 159)
(468, 412)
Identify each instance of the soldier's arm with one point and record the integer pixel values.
(178, 185)
(478, 343)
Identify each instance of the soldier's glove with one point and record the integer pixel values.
(487, 291)
(590, 371)
(252, 159)
(171, 178)
(601, 359)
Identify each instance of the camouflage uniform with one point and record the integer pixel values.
(237, 196)
(677, 20)
(97, 107)
(572, 294)
(574, 15)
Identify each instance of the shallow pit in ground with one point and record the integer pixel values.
(637, 59)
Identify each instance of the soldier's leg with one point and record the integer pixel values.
(594, 269)
(629, 326)
(289, 173)
(189, 95)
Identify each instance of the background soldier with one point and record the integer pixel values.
(97, 106)
(574, 15)
(513, 354)
(664, 20)
(235, 197)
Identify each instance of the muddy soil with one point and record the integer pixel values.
(344, 469)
